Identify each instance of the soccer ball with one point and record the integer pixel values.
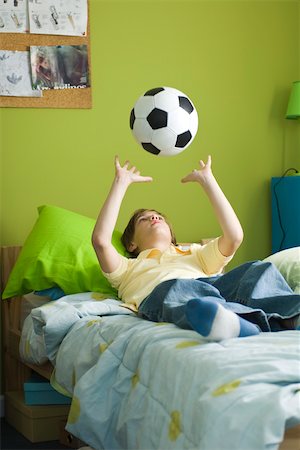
(164, 121)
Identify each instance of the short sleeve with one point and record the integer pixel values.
(115, 277)
(210, 258)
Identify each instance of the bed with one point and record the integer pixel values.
(135, 384)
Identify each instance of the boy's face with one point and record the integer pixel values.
(150, 227)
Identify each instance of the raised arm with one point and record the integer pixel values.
(232, 236)
(108, 256)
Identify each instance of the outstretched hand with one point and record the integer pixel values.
(129, 174)
(200, 175)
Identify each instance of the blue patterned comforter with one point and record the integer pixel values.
(142, 385)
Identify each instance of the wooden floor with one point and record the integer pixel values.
(12, 440)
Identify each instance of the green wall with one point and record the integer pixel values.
(235, 59)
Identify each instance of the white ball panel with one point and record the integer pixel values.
(174, 91)
(179, 121)
(142, 130)
(166, 101)
(171, 152)
(164, 139)
(143, 106)
(193, 122)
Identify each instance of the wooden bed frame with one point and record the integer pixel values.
(15, 372)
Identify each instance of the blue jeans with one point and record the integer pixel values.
(256, 291)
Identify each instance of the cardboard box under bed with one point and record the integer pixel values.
(36, 423)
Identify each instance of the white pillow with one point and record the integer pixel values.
(288, 263)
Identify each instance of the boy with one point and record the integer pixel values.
(163, 283)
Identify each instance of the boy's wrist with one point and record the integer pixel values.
(121, 182)
(207, 181)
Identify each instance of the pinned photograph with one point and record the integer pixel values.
(59, 67)
(15, 76)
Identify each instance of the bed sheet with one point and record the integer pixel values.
(142, 385)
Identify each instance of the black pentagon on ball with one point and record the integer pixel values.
(132, 119)
(154, 91)
(157, 119)
(151, 148)
(186, 104)
(183, 139)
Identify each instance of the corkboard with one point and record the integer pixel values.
(52, 98)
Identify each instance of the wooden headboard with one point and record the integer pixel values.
(15, 371)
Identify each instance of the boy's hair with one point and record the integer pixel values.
(128, 233)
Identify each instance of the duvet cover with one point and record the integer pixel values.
(136, 384)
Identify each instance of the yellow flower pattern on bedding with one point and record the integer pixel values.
(27, 347)
(175, 425)
(98, 296)
(74, 410)
(103, 347)
(73, 378)
(90, 323)
(185, 344)
(135, 379)
(226, 388)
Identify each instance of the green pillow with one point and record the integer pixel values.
(58, 253)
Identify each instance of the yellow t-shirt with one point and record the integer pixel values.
(135, 278)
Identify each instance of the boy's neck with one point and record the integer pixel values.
(159, 245)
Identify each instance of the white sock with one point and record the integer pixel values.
(210, 319)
